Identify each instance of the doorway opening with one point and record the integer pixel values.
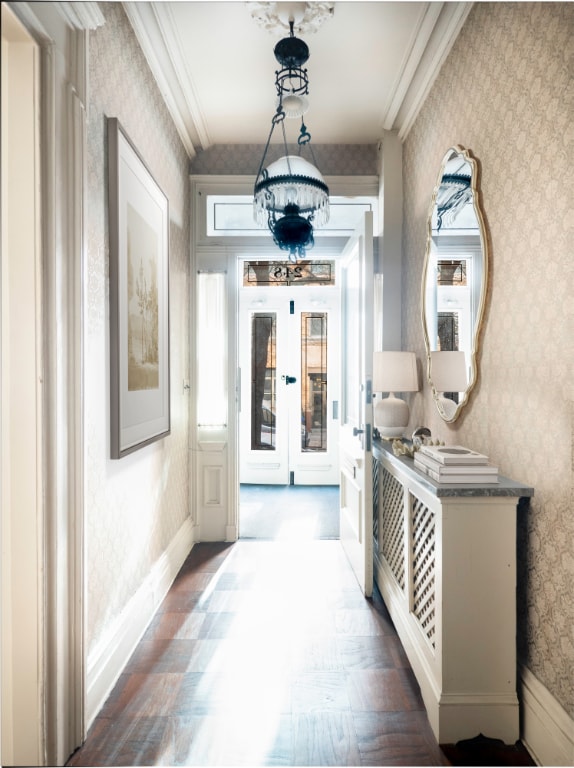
(290, 371)
(288, 512)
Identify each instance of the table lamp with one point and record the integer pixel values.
(393, 372)
(448, 374)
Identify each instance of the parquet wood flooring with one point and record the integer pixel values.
(265, 653)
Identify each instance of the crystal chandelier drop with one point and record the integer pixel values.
(290, 194)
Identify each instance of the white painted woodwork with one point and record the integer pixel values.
(446, 568)
(390, 233)
(56, 560)
(112, 652)
(220, 447)
(547, 729)
(23, 661)
(355, 433)
(275, 466)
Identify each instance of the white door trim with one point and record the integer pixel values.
(23, 668)
(216, 519)
(63, 39)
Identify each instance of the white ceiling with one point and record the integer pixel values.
(371, 65)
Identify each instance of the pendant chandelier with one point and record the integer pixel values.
(290, 195)
(454, 193)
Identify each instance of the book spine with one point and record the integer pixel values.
(461, 460)
(457, 479)
(454, 469)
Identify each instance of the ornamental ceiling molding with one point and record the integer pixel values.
(274, 17)
(81, 15)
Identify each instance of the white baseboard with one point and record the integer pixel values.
(547, 729)
(107, 660)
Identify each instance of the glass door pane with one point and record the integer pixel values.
(313, 381)
(263, 381)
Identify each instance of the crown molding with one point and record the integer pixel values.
(420, 40)
(447, 24)
(81, 15)
(155, 31)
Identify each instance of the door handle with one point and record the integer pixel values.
(289, 379)
(357, 431)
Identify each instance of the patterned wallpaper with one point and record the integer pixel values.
(134, 506)
(331, 159)
(505, 92)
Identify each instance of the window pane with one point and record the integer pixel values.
(314, 381)
(281, 273)
(263, 381)
(212, 350)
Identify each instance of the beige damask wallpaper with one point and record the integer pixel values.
(332, 159)
(134, 506)
(506, 93)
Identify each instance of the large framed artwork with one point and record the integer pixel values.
(139, 299)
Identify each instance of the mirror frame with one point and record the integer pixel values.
(478, 320)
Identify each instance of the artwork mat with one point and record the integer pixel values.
(142, 416)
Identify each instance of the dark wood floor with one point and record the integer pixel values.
(265, 653)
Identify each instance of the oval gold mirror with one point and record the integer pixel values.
(454, 282)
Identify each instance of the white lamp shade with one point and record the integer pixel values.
(292, 179)
(448, 371)
(395, 372)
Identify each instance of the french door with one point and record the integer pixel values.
(289, 381)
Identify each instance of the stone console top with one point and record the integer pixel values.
(504, 487)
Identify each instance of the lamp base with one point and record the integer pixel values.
(391, 416)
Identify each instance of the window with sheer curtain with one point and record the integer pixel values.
(212, 350)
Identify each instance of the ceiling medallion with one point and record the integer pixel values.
(274, 17)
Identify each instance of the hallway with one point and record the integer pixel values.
(296, 512)
(265, 653)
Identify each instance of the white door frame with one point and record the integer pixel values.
(61, 31)
(22, 406)
(215, 517)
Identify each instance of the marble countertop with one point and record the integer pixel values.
(504, 487)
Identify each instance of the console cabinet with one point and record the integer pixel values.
(445, 564)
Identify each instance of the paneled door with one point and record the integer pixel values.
(355, 444)
(289, 380)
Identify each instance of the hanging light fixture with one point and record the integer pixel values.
(290, 195)
(454, 193)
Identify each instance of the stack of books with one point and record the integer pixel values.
(455, 464)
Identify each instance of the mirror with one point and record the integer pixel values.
(454, 283)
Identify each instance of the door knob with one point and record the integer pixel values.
(289, 379)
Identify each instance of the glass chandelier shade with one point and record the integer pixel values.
(292, 180)
(293, 104)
